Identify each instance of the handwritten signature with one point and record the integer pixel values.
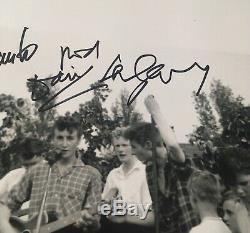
(24, 53)
(143, 75)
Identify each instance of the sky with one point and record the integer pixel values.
(178, 33)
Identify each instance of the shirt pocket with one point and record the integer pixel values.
(72, 201)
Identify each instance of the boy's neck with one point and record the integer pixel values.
(128, 165)
(67, 161)
(207, 210)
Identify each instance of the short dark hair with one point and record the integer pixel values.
(68, 123)
(205, 187)
(31, 147)
(142, 132)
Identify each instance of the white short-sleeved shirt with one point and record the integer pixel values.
(10, 180)
(132, 186)
(211, 225)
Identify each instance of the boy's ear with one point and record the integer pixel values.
(148, 145)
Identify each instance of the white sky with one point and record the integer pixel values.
(178, 33)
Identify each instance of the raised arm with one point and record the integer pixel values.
(13, 202)
(166, 132)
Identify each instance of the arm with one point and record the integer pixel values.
(3, 188)
(90, 219)
(166, 132)
(21, 192)
(243, 218)
(16, 197)
(4, 219)
(109, 191)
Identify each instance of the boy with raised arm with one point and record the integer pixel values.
(173, 170)
(73, 186)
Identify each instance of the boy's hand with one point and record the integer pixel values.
(87, 220)
(151, 105)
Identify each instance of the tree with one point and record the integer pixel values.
(123, 114)
(208, 131)
(45, 118)
(17, 124)
(233, 115)
(22, 120)
(231, 129)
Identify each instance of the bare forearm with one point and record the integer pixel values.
(166, 132)
(4, 219)
(168, 137)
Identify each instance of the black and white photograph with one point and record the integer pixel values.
(125, 116)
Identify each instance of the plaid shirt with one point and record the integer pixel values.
(80, 186)
(175, 211)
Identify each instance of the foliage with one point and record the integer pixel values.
(230, 128)
(125, 115)
(23, 119)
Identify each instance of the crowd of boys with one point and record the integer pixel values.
(154, 171)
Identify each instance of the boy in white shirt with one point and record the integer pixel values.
(128, 183)
(204, 191)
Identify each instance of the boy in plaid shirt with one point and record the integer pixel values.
(176, 214)
(73, 186)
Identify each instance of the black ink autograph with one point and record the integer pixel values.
(143, 75)
(62, 77)
(148, 73)
(151, 72)
(24, 54)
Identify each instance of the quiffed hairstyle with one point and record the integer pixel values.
(142, 132)
(68, 123)
(118, 132)
(205, 187)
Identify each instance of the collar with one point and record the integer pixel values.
(137, 166)
(77, 163)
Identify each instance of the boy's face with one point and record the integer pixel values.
(141, 152)
(230, 216)
(66, 142)
(243, 184)
(144, 153)
(122, 149)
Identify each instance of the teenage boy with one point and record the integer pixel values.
(173, 170)
(205, 196)
(72, 187)
(128, 183)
